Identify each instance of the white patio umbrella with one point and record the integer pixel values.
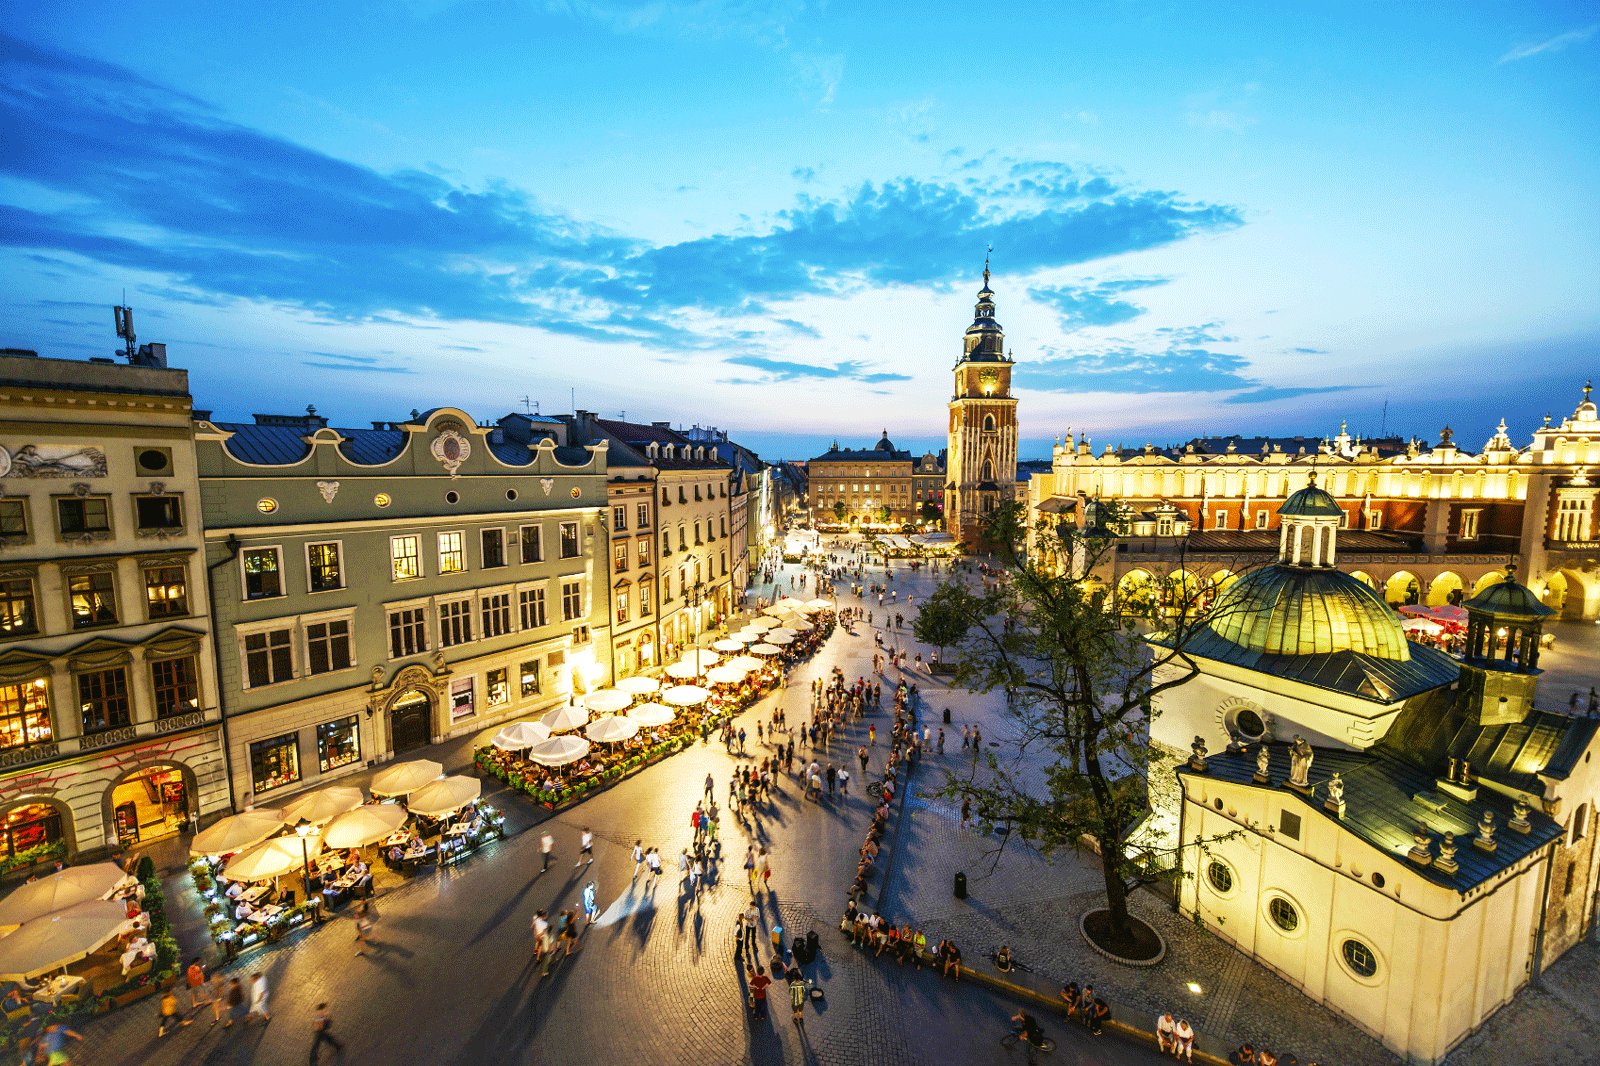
(75, 884)
(638, 686)
(684, 671)
(765, 649)
(323, 805)
(762, 624)
(404, 777)
(745, 662)
(520, 735)
(558, 751)
(773, 638)
(776, 609)
(53, 941)
(702, 658)
(276, 857)
(818, 605)
(798, 624)
(784, 632)
(365, 825)
(237, 832)
(791, 603)
(685, 695)
(444, 796)
(725, 675)
(563, 719)
(607, 701)
(745, 636)
(650, 715)
(728, 645)
(613, 730)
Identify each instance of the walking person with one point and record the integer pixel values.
(652, 859)
(195, 978)
(258, 999)
(591, 905)
(586, 849)
(758, 989)
(547, 844)
(752, 921)
(364, 924)
(169, 1013)
(236, 1004)
(638, 858)
(322, 1033)
(710, 786)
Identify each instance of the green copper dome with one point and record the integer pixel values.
(1290, 610)
(1509, 597)
(1311, 502)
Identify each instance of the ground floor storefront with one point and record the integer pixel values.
(114, 799)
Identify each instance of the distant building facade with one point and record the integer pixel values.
(384, 588)
(109, 700)
(1422, 524)
(862, 487)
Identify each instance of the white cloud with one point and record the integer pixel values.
(1550, 44)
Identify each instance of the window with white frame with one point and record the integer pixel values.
(619, 519)
(642, 516)
(323, 570)
(408, 631)
(1374, 518)
(530, 606)
(1219, 519)
(263, 573)
(268, 656)
(532, 544)
(528, 679)
(1572, 518)
(642, 551)
(1263, 517)
(571, 600)
(495, 610)
(1469, 523)
(493, 543)
(645, 607)
(619, 556)
(452, 553)
(328, 646)
(620, 596)
(571, 546)
(405, 557)
(455, 622)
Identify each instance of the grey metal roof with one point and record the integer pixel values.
(1547, 742)
(1386, 796)
(372, 447)
(265, 445)
(511, 452)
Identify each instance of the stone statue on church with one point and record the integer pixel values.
(1263, 763)
(1335, 800)
(1197, 761)
(1300, 757)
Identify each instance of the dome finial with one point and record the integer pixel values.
(1588, 386)
(990, 252)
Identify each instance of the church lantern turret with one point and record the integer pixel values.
(1505, 623)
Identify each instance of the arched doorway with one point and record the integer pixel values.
(1402, 589)
(1445, 590)
(1493, 577)
(150, 802)
(1363, 577)
(33, 828)
(1137, 592)
(410, 720)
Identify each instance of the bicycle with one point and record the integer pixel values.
(1044, 1044)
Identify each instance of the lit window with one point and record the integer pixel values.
(263, 573)
(405, 557)
(25, 713)
(92, 599)
(322, 564)
(176, 684)
(1469, 524)
(452, 554)
(529, 678)
(338, 743)
(103, 698)
(19, 614)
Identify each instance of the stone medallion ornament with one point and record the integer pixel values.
(329, 490)
(547, 483)
(5, 462)
(451, 449)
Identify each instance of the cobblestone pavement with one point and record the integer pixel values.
(656, 981)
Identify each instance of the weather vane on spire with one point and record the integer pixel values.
(986, 256)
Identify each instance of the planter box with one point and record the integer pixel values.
(134, 996)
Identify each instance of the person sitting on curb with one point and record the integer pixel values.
(951, 956)
(1069, 999)
(1002, 959)
(1245, 1056)
(1183, 1041)
(1099, 1014)
(1166, 1040)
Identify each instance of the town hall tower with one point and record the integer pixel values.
(982, 463)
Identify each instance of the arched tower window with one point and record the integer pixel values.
(988, 423)
(988, 471)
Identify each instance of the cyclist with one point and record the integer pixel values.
(1024, 1025)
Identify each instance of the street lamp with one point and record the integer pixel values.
(302, 829)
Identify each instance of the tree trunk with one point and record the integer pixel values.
(1116, 888)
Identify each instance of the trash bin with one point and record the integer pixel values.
(947, 716)
(813, 944)
(961, 885)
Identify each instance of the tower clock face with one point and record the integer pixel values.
(987, 381)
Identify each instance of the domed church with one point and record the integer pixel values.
(1399, 833)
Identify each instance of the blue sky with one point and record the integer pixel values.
(771, 217)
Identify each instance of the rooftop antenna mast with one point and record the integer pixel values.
(527, 404)
(124, 318)
(1383, 426)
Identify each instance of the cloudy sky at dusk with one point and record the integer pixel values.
(772, 216)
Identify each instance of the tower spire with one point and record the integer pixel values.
(990, 252)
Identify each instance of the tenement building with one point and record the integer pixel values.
(1398, 833)
(693, 519)
(1432, 524)
(108, 697)
(864, 488)
(982, 458)
(383, 588)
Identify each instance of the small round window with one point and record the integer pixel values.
(1284, 916)
(511, 494)
(382, 499)
(266, 505)
(452, 497)
(1377, 879)
(1360, 959)
(1220, 876)
(153, 460)
(1248, 724)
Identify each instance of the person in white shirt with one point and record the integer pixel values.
(586, 851)
(1183, 1042)
(1165, 1027)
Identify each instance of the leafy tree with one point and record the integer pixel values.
(838, 509)
(884, 513)
(930, 511)
(1079, 680)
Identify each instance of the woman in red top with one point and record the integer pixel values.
(758, 991)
